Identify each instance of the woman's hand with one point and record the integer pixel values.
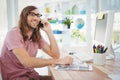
(47, 26)
(66, 60)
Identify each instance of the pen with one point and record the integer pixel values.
(99, 49)
(105, 50)
(102, 50)
(94, 48)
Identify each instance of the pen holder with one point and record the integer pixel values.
(99, 59)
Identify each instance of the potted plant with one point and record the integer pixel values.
(66, 31)
(67, 22)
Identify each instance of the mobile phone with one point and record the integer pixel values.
(40, 25)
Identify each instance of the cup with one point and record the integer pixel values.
(99, 58)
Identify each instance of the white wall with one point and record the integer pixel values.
(3, 21)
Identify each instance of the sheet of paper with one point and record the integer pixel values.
(100, 16)
(84, 57)
(114, 76)
(75, 66)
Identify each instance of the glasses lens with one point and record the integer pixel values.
(38, 15)
(33, 14)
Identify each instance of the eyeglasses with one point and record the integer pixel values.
(33, 14)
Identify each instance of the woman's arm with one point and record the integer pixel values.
(51, 49)
(32, 62)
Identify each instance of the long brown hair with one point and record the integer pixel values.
(23, 25)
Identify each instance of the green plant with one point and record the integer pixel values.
(67, 22)
(77, 34)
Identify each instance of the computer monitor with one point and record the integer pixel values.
(103, 31)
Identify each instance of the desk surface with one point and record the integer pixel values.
(98, 72)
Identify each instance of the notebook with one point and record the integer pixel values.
(76, 65)
(84, 57)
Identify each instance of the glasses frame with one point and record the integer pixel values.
(34, 14)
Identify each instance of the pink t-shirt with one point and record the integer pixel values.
(11, 67)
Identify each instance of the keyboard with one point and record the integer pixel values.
(84, 57)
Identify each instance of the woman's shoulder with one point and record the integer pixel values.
(14, 32)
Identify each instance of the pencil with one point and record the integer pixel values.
(105, 50)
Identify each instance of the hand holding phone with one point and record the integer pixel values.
(40, 25)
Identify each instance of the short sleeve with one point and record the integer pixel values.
(14, 39)
(42, 43)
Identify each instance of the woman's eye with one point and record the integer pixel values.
(32, 14)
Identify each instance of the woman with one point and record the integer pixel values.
(20, 48)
